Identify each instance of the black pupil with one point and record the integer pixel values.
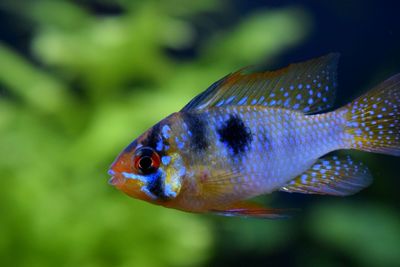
(145, 163)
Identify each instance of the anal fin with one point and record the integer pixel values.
(331, 176)
(252, 210)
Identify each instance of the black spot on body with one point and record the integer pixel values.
(197, 126)
(235, 134)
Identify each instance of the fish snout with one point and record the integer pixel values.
(115, 179)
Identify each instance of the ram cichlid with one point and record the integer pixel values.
(253, 134)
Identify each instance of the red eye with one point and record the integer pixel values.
(146, 160)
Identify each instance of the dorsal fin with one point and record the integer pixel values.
(308, 87)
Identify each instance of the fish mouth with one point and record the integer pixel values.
(115, 179)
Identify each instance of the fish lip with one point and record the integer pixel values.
(115, 178)
(111, 172)
(114, 181)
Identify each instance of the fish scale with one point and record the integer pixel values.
(287, 149)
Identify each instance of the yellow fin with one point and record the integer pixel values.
(218, 182)
(374, 119)
(308, 87)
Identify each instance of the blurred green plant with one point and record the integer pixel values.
(99, 81)
(369, 234)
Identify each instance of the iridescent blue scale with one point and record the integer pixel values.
(284, 143)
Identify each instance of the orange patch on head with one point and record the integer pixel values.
(123, 163)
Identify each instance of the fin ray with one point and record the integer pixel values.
(308, 87)
(331, 176)
(374, 119)
(222, 182)
(250, 209)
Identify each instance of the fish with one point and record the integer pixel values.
(252, 134)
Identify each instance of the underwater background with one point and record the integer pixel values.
(81, 79)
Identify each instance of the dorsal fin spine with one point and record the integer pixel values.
(308, 87)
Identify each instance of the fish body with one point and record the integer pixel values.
(253, 134)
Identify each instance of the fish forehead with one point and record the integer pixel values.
(156, 137)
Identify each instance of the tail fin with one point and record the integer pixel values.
(373, 119)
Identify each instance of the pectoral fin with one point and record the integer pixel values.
(252, 210)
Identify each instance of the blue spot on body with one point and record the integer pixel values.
(182, 171)
(220, 103)
(179, 143)
(230, 99)
(159, 145)
(169, 192)
(242, 101)
(304, 178)
(166, 160)
(165, 131)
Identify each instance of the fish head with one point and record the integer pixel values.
(150, 168)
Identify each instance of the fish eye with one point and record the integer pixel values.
(145, 163)
(146, 160)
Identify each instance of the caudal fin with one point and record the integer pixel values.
(373, 119)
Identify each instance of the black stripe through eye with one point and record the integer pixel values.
(154, 136)
(197, 126)
(156, 187)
